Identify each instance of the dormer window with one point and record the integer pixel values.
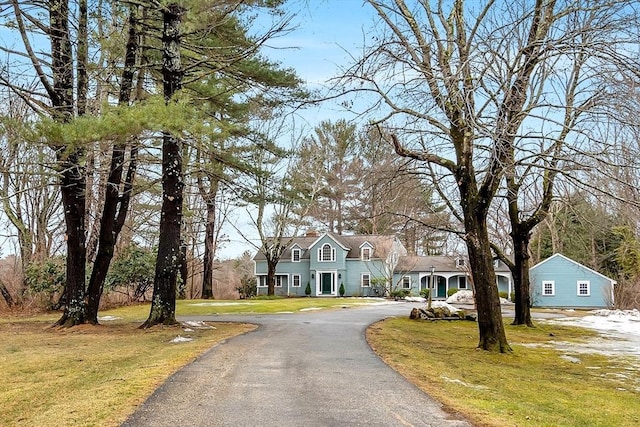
(460, 262)
(326, 253)
(295, 255)
(365, 254)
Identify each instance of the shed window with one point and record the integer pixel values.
(584, 288)
(548, 288)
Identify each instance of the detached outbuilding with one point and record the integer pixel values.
(561, 282)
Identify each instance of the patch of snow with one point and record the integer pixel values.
(619, 332)
(465, 296)
(437, 304)
(219, 303)
(188, 330)
(462, 383)
(197, 324)
(285, 312)
(570, 358)
(461, 297)
(108, 318)
(311, 309)
(415, 299)
(180, 339)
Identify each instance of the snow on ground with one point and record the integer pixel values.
(180, 339)
(619, 332)
(197, 324)
(443, 304)
(108, 318)
(465, 296)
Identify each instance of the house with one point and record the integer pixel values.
(363, 264)
(559, 281)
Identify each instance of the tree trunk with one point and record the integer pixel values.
(163, 304)
(112, 220)
(209, 252)
(271, 276)
(490, 325)
(72, 173)
(73, 201)
(521, 284)
(6, 295)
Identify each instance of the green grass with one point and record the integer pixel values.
(97, 375)
(257, 306)
(533, 385)
(90, 375)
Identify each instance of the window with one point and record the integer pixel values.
(548, 288)
(296, 280)
(262, 281)
(584, 288)
(366, 254)
(460, 262)
(462, 282)
(326, 253)
(278, 281)
(365, 280)
(406, 282)
(295, 255)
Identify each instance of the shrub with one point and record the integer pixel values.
(307, 290)
(47, 279)
(400, 293)
(424, 293)
(133, 270)
(452, 291)
(341, 290)
(504, 295)
(248, 287)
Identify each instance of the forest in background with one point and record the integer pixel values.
(133, 132)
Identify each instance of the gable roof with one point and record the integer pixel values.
(381, 244)
(567, 259)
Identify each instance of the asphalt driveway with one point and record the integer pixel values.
(304, 369)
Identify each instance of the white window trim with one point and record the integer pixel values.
(262, 281)
(369, 251)
(462, 280)
(362, 276)
(583, 282)
(553, 288)
(278, 281)
(321, 253)
(294, 251)
(293, 281)
(406, 277)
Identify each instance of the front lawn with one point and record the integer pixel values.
(536, 385)
(97, 375)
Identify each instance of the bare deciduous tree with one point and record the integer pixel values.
(456, 87)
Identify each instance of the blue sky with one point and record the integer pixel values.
(325, 33)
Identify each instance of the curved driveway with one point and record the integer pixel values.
(305, 369)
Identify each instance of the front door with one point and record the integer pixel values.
(326, 283)
(442, 287)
